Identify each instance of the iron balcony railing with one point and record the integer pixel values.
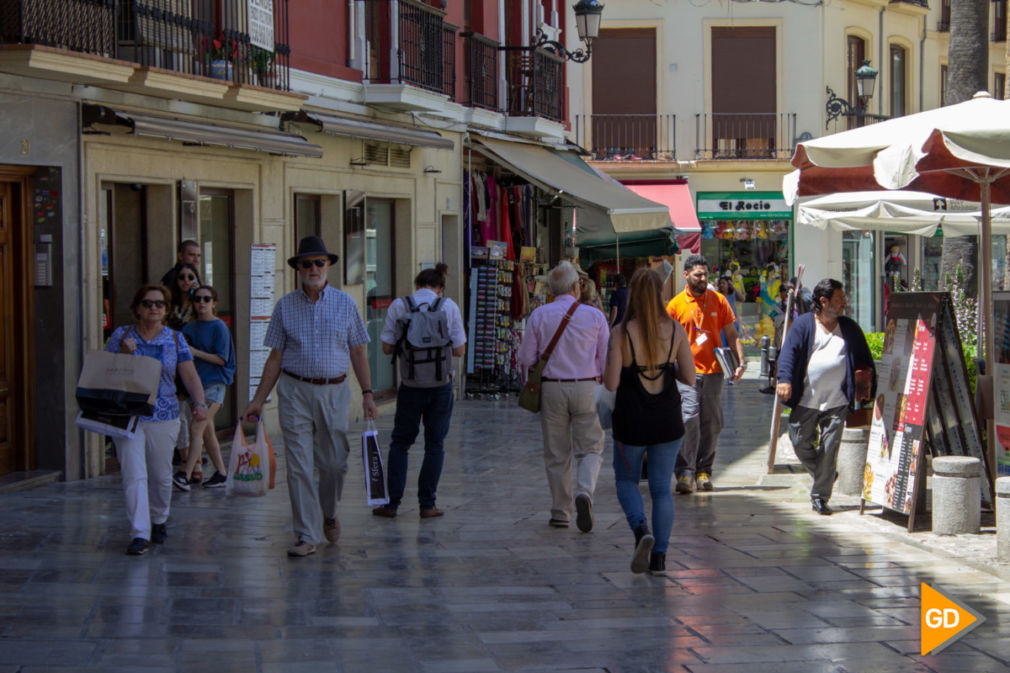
(481, 72)
(628, 137)
(745, 135)
(184, 36)
(427, 49)
(535, 83)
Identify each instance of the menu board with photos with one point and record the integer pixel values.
(922, 398)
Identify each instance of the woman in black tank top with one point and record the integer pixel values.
(648, 354)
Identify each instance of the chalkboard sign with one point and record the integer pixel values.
(923, 398)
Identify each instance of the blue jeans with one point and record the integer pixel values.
(433, 407)
(627, 471)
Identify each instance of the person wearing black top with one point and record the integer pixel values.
(648, 353)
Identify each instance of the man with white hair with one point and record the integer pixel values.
(568, 418)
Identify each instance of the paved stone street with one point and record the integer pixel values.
(756, 581)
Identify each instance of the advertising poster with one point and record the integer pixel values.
(262, 261)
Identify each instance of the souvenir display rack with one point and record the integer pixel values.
(491, 366)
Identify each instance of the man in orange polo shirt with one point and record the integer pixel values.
(705, 314)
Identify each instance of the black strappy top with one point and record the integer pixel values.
(642, 418)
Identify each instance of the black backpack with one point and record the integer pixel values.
(424, 347)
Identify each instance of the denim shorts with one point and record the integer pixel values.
(214, 393)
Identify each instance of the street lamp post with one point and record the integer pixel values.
(866, 78)
(588, 14)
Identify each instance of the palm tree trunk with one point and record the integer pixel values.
(961, 250)
(968, 54)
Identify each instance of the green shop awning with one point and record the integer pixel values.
(743, 206)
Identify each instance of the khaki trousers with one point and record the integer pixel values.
(571, 427)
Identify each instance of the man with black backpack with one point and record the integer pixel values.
(423, 331)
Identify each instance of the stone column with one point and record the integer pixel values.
(1003, 519)
(956, 495)
(852, 460)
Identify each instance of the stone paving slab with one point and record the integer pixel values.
(756, 581)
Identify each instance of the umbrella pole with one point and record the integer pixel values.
(986, 307)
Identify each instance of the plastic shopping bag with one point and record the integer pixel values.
(251, 467)
(605, 401)
(375, 472)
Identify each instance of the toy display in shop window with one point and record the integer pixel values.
(768, 298)
(894, 267)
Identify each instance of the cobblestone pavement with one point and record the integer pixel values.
(756, 581)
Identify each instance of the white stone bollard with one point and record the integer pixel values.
(852, 460)
(1003, 519)
(956, 495)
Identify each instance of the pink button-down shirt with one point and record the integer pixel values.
(580, 353)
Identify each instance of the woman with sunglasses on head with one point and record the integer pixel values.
(145, 460)
(186, 281)
(211, 343)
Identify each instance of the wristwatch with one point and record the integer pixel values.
(199, 405)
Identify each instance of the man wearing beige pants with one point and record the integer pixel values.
(568, 418)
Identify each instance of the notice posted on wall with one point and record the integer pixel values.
(262, 272)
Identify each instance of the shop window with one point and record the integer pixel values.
(999, 85)
(217, 246)
(354, 238)
(858, 277)
(307, 218)
(943, 84)
(380, 286)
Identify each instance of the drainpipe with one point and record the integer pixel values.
(922, 63)
(359, 40)
(352, 61)
(82, 444)
(502, 83)
(880, 56)
(526, 21)
(394, 40)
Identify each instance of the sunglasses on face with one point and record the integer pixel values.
(187, 277)
(152, 303)
(200, 298)
(308, 263)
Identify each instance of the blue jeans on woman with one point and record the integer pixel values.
(433, 408)
(628, 470)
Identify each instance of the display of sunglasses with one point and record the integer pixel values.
(188, 277)
(307, 263)
(153, 303)
(200, 298)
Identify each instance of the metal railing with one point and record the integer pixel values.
(424, 40)
(177, 35)
(535, 83)
(481, 72)
(745, 135)
(628, 137)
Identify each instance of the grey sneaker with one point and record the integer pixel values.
(302, 548)
(180, 481)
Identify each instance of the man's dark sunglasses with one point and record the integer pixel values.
(200, 298)
(153, 303)
(307, 263)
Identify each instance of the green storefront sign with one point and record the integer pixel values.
(743, 206)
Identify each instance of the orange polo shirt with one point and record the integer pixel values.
(703, 319)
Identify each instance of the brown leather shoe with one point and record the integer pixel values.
(384, 511)
(431, 512)
(331, 529)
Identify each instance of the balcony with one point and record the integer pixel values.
(628, 137)
(177, 36)
(535, 83)
(745, 135)
(481, 84)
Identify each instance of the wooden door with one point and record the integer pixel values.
(8, 459)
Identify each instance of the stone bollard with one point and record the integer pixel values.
(956, 495)
(1003, 519)
(852, 460)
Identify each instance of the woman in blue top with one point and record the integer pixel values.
(210, 342)
(145, 460)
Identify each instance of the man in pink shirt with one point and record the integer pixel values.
(568, 418)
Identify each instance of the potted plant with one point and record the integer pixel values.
(263, 61)
(224, 52)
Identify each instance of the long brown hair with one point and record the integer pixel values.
(645, 306)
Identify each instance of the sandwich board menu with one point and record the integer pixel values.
(923, 398)
(1001, 380)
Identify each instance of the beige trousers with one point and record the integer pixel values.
(571, 428)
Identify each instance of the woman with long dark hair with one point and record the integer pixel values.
(648, 354)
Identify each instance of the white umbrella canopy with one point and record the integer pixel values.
(903, 212)
(960, 151)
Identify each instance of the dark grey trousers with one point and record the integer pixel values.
(701, 408)
(821, 460)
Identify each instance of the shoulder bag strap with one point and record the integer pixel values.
(557, 335)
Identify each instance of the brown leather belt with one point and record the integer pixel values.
(318, 382)
(591, 378)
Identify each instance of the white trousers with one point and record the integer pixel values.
(571, 429)
(145, 462)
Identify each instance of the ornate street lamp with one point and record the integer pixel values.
(866, 78)
(587, 22)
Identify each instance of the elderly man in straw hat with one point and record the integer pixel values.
(315, 335)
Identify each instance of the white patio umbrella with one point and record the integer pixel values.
(903, 212)
(960, 151)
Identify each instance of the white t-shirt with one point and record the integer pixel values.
(823, 385)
